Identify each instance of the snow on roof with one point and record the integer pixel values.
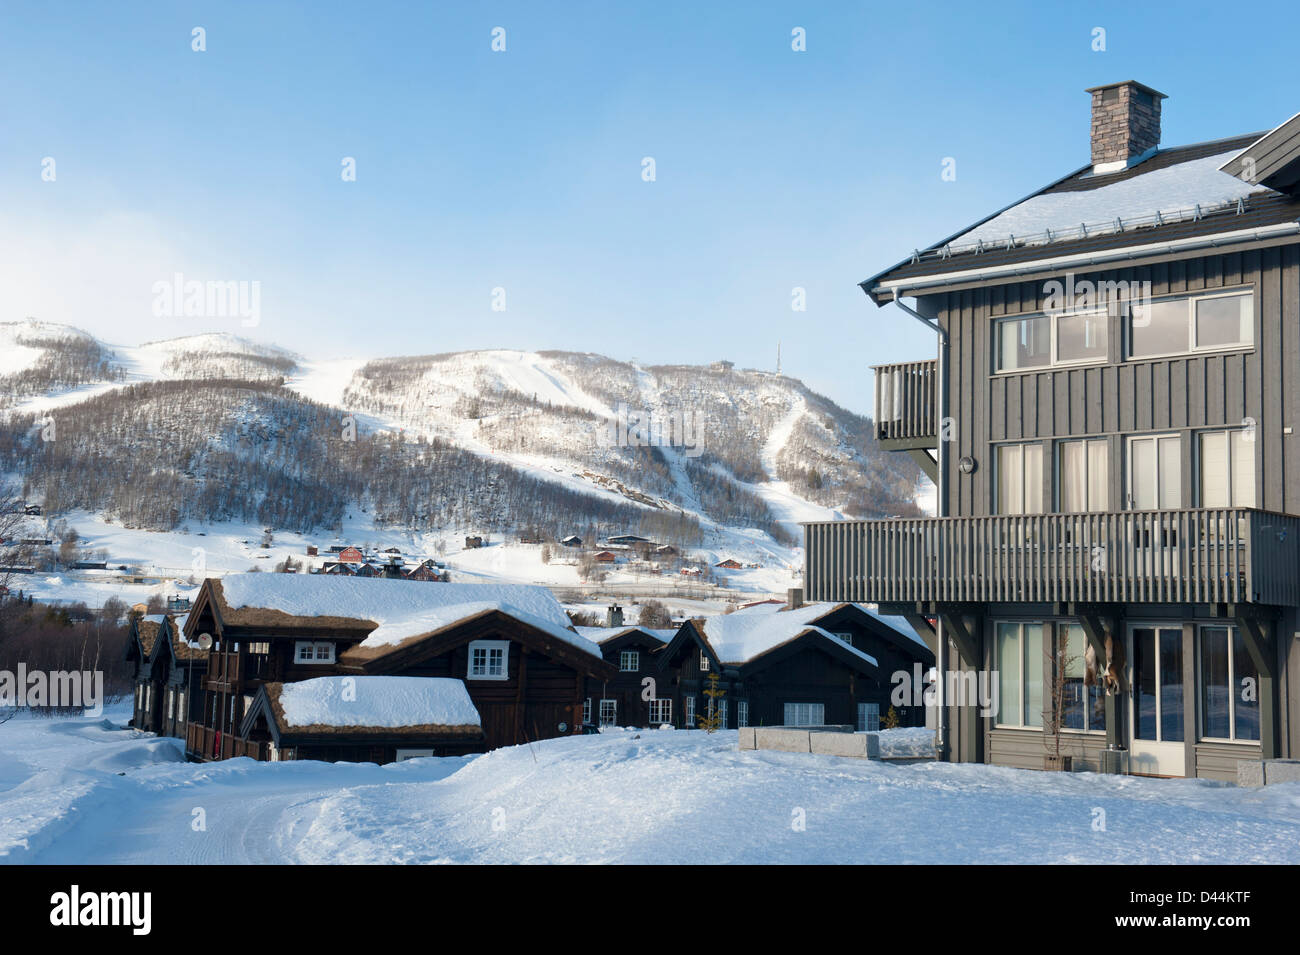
(605, 634)
(400, 608)
(813, 611)
(1172, 191)
(379, 701)
(740, 637)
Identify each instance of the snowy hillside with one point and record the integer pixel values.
(217, 428)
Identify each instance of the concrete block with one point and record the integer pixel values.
(857, 745)
(783, 738)
(747, 740)
(1280, 771)
(1250, 772)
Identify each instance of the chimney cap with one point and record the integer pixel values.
(1133, 83)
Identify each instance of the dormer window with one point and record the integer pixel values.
(488, 659)
(313, 651)
(629, 661)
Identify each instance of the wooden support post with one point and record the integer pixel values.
(1261, 651)
(923, 630)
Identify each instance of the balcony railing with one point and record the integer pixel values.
(907, 408)
(225, 670)
(210, 744)
(1229, 555)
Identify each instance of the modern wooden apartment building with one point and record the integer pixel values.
(1111, 420)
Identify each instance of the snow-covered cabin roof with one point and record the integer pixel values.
(813, 612)
(603, 635)
(370, 706)
(1090, 216)
(393, 611)
(738, 638)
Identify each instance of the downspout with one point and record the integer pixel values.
(941, 509)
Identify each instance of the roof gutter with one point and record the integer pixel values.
(1059, 263)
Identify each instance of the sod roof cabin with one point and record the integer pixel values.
(524, 665)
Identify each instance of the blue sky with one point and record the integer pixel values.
(522, 169)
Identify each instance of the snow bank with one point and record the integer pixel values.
(401, 609)
(907, 742)
(388, 701)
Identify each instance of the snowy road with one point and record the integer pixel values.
(652, 797)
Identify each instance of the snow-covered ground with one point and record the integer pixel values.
(623, 796)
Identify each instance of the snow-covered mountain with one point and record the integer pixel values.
(214, 427)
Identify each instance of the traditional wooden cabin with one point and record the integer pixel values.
(811, 665)
(146, 712)
(375, 719)
(180, 666)
(523, 664)
(617, 700)
(729, 564)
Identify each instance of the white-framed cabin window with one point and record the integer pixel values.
(1019, 478)
(609, 712)
(1155, 472)
(688, 708)
(1075, 337)
(488, 660)
(629, 661)
(704, 662)
(1215, 321)
(1228, 686)
(868, 717)
(313, 651)
(742, 712)
(1227, 468)
(1019, 662)
(805, 714)
(586, 710)
(843, 637)
(1083, 475)
(661, 711)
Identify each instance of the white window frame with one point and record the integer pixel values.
(626, 656)
(868, 717)
(742, 713)
(843, 637)
(309, 652)
(1025, 485)
(688, 712)
(1192, 347)
(704, 662)
(612, 708)
(661, 711)
(1023, 694)
(488, 647)
(1200, 465)
(1233, 690)
(1128, 469)
(1059, 484)
(1053, 335)
(804, 714)
(1062, 635)
(586, 710)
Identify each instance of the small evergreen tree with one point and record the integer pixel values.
(890, 720)
(711, 721)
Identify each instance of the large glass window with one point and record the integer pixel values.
(1083, 707)
(1042, 340)
(805, 714)
(1155, 472)
(1174, 326)
(1227, 466)
(1083, 472)
(1020, 674)
(1158, 683)
(1229, 686)
(1020, 479)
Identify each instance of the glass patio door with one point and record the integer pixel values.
(1157, 713)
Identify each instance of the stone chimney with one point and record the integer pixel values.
(794, 598)
(614, 616)
(1125, 122)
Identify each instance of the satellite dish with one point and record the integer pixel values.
(205, 641)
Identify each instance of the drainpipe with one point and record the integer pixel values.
(941, 507)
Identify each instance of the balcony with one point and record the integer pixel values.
(211, 744)
(225, 671)
(1228, 555)
(907, 408)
